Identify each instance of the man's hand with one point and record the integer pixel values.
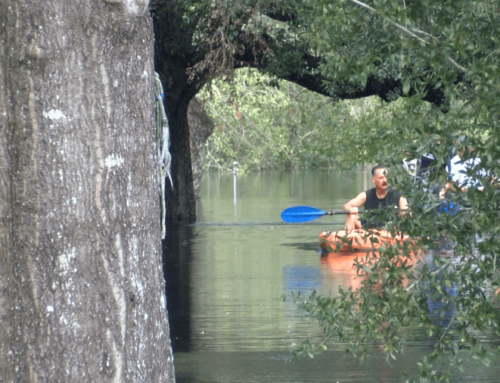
(353, 210)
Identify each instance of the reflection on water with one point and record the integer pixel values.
(342, 266)
(227, 273)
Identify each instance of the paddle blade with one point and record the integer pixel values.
(301, 214)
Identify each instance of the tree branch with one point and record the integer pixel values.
(411, 34)
(304, 71)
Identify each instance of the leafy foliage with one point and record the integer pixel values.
(266, 123)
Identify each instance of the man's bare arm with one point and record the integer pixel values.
(403, 205)
(352, 205)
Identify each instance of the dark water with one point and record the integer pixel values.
(226, 274)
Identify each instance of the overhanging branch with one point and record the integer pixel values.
(304, 71)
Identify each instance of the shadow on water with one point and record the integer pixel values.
(177, 256)
(305, 246)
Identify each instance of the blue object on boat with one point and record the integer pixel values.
(448, 207)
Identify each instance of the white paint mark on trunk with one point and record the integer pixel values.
(122, 306)
(54, 114)
(65, 260)
(117, 358)
(100, 165)
(113, 160)
(163, 302)
(115, 281)
(107, 97)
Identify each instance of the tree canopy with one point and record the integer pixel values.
(263, 123)
(308, 44)
(197, 41)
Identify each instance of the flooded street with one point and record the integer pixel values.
(226, 275)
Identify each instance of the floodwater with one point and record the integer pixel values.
(226, 275)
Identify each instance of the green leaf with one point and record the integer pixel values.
(406, 86)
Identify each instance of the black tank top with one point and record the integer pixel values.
(374, 203)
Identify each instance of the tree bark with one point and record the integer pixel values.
(200, 129)
(82, 294)
(181, 202)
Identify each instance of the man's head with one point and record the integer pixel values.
(379, 177)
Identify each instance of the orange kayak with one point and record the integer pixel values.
(355, 240)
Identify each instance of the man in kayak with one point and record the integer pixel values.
(381, 196)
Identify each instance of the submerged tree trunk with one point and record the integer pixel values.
(81, 286)
(200, 129)
(171, 64)
(181, 202)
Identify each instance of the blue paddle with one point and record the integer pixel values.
(297, 214)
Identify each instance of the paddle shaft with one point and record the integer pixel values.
(299, 214)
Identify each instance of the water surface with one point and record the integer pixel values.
(227, 273)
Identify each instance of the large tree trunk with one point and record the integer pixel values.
(81, 286)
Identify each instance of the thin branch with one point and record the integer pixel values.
(411, 34)
(495, 51)
(426, 34)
